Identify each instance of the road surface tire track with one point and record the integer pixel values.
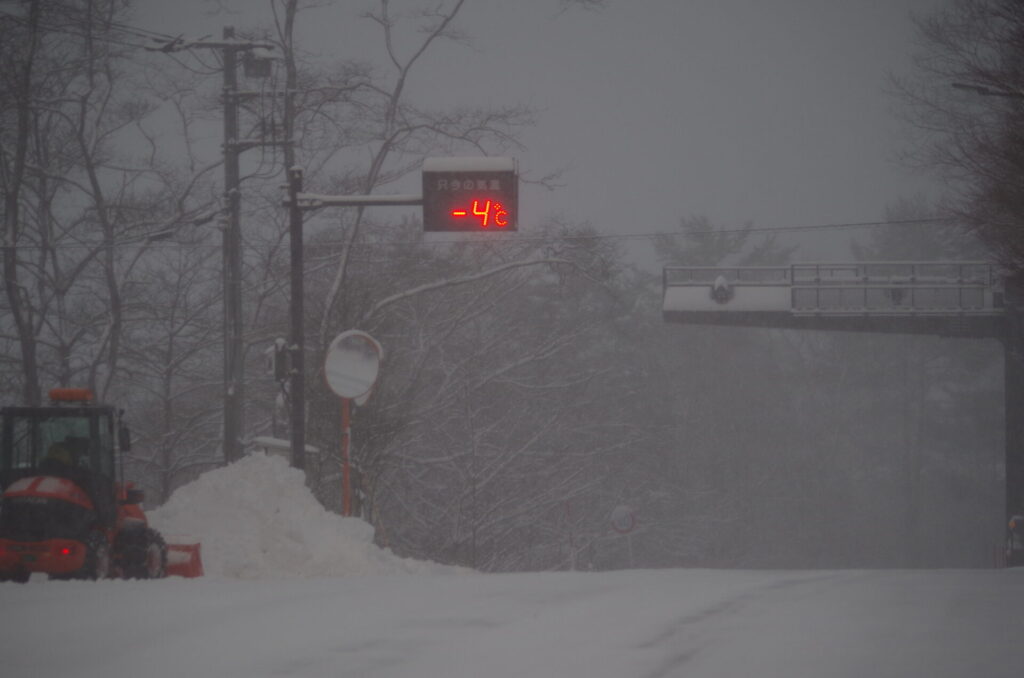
(694, 625)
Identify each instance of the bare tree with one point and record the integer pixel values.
(472, 443)
(966, 99)
(79, 212)
(400, 128)
(18, 64)
(172, 349)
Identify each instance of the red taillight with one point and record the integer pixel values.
(66, 551)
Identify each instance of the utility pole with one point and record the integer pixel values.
(296, 348)
(1013, 350)
(234, 373)
(297, 345)
(234, 347)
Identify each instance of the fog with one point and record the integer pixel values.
(530, 388)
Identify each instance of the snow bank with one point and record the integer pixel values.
(256, 518)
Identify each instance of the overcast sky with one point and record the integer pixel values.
(770, 111)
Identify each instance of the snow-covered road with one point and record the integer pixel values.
(295, 591)
(640, 623)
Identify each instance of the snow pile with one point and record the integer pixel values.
(256, 518)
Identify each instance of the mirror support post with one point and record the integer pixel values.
(346, 464)
(350, 369)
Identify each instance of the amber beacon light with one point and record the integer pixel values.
(470, 194)
(71, 395)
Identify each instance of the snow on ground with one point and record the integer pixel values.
(256, 518)
(280, 601)
(628, 624)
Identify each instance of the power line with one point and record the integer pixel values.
(515, 238)
(671, 234)
(143, 32)
(752, 229)
(161, 42)
(99, 37)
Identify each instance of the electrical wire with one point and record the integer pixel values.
(746, 229)
(154, 38)
(516, 238)
(481, 235)
(68, 31)
(143, 32)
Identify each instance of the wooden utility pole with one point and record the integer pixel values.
(234, 348)
(297, 332)
(234, 372)
(1013, 350)
(296, 347)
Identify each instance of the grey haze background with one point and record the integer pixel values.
(738, 110)
(736, 448)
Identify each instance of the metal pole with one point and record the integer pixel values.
(1014, 389)
(234, 376)
(298, 328)
(346, 466)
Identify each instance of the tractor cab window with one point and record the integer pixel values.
(60, 440)
(65, 439)
(21, 454)
(105, 438)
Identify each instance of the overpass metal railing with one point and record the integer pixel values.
(898, 287)
(891, 287)
(946, 272)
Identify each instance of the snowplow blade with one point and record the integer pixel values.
(184, 559)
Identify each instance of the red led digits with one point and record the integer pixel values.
(484, 214)
(486, 211)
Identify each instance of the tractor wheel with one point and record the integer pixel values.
(142, 554)
(97, 558)
(156, 555)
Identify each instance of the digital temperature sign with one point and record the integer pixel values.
(470, 194)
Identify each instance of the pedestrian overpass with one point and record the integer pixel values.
(949, 298)
(945, 298)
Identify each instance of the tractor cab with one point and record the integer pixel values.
(72, 439)
(63, 511)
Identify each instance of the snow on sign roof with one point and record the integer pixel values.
(469, 164)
